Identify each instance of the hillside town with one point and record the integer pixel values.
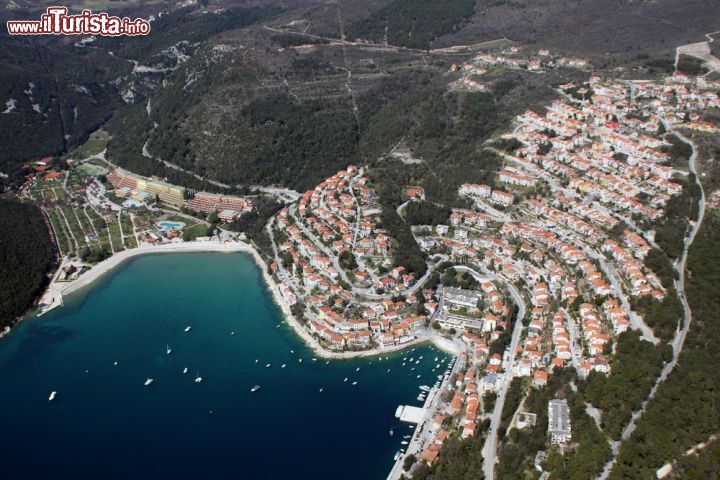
(552, 257)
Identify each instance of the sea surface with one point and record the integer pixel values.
(104, 423)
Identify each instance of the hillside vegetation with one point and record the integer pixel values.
(26, 254)
(412, 23)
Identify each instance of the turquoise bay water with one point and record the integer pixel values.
(105, 424)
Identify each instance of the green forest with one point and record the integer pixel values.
(412, 23)
(26, 256)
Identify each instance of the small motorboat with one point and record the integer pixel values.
(320, 390)
(149, 382)
(397, 455)
(52, 396)
(185, 370)
(188, 328)
(168, 350)
(268, 365)
(404, 442)
(391, 432)
(255, 388)
(354, 383)
(198, 378)
(283, 366)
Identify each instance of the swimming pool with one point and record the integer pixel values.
(168, 225)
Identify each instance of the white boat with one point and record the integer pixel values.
(436, 359)
(283, 366)
(391, 432)
(255, 388)
(404, 442)
(168, 350)
(345, 379)
(388, 370)
(188, 328)
(397, 455)
(232, 333)
(198, 378)
(354, 383)
(149, 382)
(420, 357)
(268, 365)
(52, 396)
(314, 359)
(420, 399)
(185, 370)
(406, 436)
(115, 363)
(357, 369)
(418, 376)
(320, 390)
(424, 388)
(300, 360)
(257, 360)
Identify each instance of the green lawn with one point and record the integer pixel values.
(99, 224)
(115, 236)
(88, 169)
(197, 230)
(94, 145)
(60, 233)
(75, 228)
(130, 242)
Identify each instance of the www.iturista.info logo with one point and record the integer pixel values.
(56, 21)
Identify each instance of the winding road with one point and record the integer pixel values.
(681, 332)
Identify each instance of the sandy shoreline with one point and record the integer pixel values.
(53, 296)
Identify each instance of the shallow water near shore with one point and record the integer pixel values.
(105, 423)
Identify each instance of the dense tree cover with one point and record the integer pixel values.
(671, 228)
(26, 256)
(662, 316)
(253, 223)
(635, 368)
(512, 402)
(412, 23)
(691, 65)
(705, 464)
(130, 128)
(686, 408)
(60, 94)
(452, 278)
(459, 460)
(407, 252)
(288, 40)
(426, 213)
